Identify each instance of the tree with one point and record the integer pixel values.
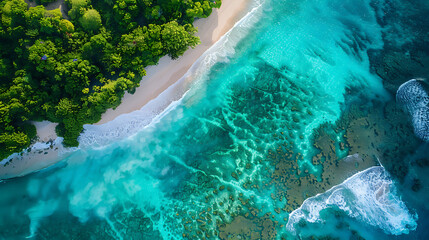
(75, 76)
(5, 118)
(13, 13)
(71, 70)
(97, 47)
(65, 108)
(91, 20)
(198, 9)
(34, 15)
(126, 12)
(177, 39)
(77, 8)
(43, 54)
(66, 26)
(51, 22)
(13, 142)
(5, 69)
(140, 48)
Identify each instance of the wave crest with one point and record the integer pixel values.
(368, 196)
(129, 124)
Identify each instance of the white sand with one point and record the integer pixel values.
(41, 156)
(168, 71)
(157, 80)
(46, 130)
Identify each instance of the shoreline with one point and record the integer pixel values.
(48, 150)
(167, 72)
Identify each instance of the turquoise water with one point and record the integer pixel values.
(224, 160)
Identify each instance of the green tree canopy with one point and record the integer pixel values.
(43, 55)
(71, 69)
(97, 47)
(177, 38)
(77, 8)
(66, 26)
(34, 15)
(91, 20)
(13, 13)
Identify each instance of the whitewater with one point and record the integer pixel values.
(234, 154)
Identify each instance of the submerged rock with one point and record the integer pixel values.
(414, 97)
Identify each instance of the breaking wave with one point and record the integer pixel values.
(369, 196)
(129, 124)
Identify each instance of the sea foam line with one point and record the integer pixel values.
(369, 196)
(127, 125)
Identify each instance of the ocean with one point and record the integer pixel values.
(290, 130)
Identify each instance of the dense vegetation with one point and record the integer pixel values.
(70, 69)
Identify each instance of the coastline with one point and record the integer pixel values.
(271, 133)
(48, 150)
(168, 71)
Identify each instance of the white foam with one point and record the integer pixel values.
(368, 196)
(39, 146)
(89, 196)
(129, 124)
(412, 96)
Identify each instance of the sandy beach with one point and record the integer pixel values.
(168, 71)
(49, 150)
(45, 130)
(37, 157)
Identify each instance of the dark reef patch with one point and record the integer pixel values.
(237, 167)
(406, 36)
(397, 63)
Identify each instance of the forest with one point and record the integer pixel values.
(71, 67)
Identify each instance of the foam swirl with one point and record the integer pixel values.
(368, 196)
(413, 96)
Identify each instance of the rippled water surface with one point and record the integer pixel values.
(288, 107)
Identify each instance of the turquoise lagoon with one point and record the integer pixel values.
(234, 157)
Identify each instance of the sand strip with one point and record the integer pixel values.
(169, 71)
(49, 150)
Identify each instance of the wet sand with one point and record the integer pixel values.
(159, 78)
(168, 71)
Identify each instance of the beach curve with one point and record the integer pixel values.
(48, 149)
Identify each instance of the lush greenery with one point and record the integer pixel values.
(70, 69)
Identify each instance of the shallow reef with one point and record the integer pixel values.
(282, 120)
